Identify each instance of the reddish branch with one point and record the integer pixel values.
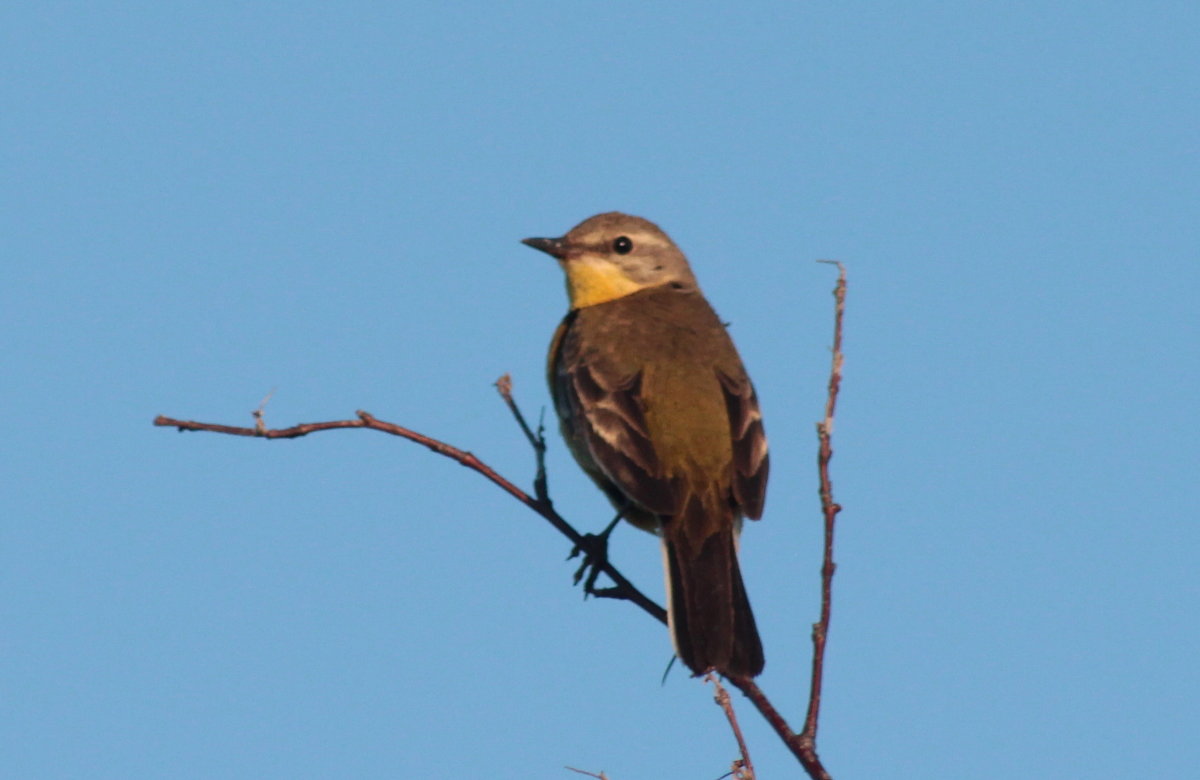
(829, 509)
(803, 743)
(743, 769)
(622, 588)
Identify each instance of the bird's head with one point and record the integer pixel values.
(612, 255)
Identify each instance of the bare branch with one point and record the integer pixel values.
(536, 440)
(802, 744)
(622, 588)
(830, 509)
(600, 776)
(802, 748)
(743, 769)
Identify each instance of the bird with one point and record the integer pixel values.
(657, 409)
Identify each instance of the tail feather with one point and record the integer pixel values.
(711, 622)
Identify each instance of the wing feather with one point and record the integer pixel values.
(750, 458)
(617, 437)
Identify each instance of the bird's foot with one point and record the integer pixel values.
(594, 548)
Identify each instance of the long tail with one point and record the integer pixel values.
(712, 625)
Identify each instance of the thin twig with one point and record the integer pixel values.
(536, 440)
(804, 751)
(260, 422)
(622, 588)
(803, 744)
(743, 769)
(600, 776)
(829, 509)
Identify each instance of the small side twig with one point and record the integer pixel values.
(536, 440)
(743, 768)
(260, 422)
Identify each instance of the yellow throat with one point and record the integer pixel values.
(595, 281)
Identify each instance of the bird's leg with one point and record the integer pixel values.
(594, 548)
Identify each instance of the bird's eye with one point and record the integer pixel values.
(623, 245)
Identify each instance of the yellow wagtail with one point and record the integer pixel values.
(656, 407)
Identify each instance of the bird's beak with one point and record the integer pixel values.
(555, 247)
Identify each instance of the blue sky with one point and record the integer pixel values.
(204, 203)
